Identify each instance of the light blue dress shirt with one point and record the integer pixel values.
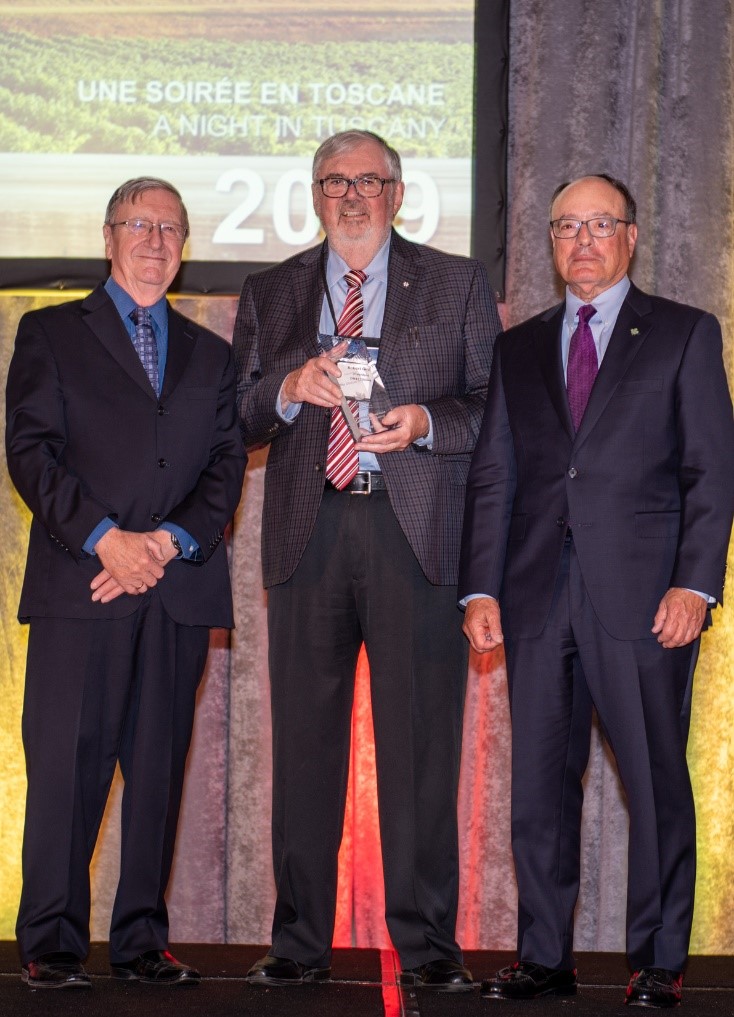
(374, 292)
(607, 307)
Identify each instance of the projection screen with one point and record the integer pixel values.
(229, 102)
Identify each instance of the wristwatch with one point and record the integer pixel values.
(176, 543)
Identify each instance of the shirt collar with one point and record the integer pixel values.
(607, 304)
(337, 268)
(125, 304)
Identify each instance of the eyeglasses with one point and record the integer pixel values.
(144, 227)
(602, 226)
(367, 186)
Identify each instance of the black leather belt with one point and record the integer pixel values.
(365, 483)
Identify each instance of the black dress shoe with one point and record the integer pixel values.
(56, 971)
(282, 971)
(655, 987)
(157, 967)
(525, 980)
(442, 975)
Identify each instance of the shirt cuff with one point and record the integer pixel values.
(190, 550)
(97, 533)
(474, 596)
(289, 415)
(426, 442)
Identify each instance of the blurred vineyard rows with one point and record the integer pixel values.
(41, 109)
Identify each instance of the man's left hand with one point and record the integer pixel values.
(399, 428)
(106, 588)
(679, 618)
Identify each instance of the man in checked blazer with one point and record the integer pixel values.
(375, 562)
(600, 537)
(131, 478)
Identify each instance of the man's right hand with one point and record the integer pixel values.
(482, 624)
(133, 562)
(314, 382)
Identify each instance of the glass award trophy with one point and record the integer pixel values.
(359, 381)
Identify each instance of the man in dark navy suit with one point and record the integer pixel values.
(122, 438)
(599, 507)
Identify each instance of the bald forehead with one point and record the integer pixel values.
(588, 196)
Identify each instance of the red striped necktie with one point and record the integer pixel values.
(342, 458)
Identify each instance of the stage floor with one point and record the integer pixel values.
(364, 984)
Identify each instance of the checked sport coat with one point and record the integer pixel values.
(438, 331)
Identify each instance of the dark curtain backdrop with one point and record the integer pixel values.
(638, 88)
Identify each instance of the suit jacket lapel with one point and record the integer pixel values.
(548, 353)
(630, 330)
(181, 342)
(308, 295)
(403, 282)
(100, 315)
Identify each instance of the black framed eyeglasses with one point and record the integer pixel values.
(600, 226)
(366, 186)
(144, 227)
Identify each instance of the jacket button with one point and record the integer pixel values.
(162, 463)
(573, 472)
(319, 467)
(560, 521)
(161, 411)
(155, 518)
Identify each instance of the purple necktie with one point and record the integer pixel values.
(583, 365)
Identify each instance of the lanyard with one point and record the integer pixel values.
(326, 289)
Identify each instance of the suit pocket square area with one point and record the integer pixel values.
(635, 386)
(657, 525)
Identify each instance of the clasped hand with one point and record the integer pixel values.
(132, 562)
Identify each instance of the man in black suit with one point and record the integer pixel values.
(371, 557)
(598, 513)
(122, 438)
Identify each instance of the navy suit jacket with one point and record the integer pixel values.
(438, 331)
(647, 483)
(87, 437)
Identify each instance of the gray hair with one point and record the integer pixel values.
(133, 189)
(345, 141)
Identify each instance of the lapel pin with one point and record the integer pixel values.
(634, 331)
(406, 284)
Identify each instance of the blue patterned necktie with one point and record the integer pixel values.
(582, 365)
(145, 344)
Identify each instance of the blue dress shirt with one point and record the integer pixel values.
(159, 316)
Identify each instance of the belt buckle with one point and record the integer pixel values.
(368, 489)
